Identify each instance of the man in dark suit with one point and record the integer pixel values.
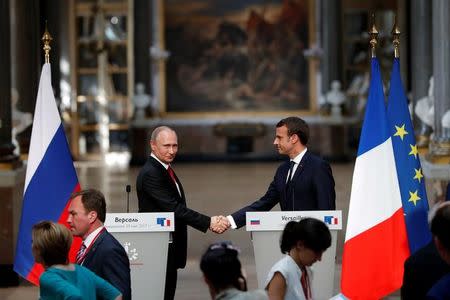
(100, 251)
(423, 268)
(440, 228)
(160, 190)
(303, 183)
(421, 271)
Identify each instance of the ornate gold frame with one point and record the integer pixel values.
(161, 69)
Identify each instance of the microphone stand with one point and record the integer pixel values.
(128, 190)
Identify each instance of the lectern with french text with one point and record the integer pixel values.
(145, 237)
(266, 229)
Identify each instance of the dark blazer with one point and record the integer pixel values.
(157, 192)
(421, 271)
(107, 258)
(313, 189)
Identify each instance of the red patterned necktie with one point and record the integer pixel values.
(80, 253)
(172, 174)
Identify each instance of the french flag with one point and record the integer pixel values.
(376, 243)
(50, 178)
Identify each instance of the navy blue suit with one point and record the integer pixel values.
(107, 258)
(312, 189)
(157, 192)
(421, 271)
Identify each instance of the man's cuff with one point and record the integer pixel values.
(231, 220)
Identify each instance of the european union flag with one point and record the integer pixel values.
(409, 171)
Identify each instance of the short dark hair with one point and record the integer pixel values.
(51, 243)
(221, 266)
(313, 233)
(440, 225)
(297, 126)
(93, 200)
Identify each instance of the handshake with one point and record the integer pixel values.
(219, 224)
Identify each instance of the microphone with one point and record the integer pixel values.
(128, 190)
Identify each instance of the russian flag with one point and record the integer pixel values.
(50, 178)
(376, 243)
(254, 222)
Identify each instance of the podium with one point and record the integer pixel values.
(266, 229)
(145, 237)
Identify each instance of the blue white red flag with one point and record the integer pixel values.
(376, 244)
(50, 178)
(409, 171)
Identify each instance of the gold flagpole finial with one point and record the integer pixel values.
(47, 38)
(373, 32)
(396, 38)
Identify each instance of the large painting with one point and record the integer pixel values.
(237, 55)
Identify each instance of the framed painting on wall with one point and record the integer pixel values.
(234, 56)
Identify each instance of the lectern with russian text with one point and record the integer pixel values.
(145, 237)
(266, 229)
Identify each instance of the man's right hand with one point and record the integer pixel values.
(219, 224)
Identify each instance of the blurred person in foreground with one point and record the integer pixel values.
(440, 228)
(222, 273)
(304, 242)
(100, 252)
(423, 268)
(61, 279)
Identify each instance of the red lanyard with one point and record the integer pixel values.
(90, 246)
(304, 280)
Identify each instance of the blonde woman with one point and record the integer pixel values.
(61, 279)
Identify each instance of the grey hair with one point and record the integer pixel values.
(158, 130)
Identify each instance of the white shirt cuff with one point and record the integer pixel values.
(231, 220)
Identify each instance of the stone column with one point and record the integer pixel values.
(26, 52)
(331, 64)
(9, 163)
(421, 61)
(7, 159)
(142, 38)
(440, 142)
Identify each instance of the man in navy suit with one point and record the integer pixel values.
(305, 182)
(100, 251)
(160, 190)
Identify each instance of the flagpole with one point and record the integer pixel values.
(47, 38)
(396, 38)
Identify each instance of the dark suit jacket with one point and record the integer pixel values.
(107, 258)
(421, 271)
(313, 189)
(157, 192)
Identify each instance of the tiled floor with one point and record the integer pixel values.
(211, 188)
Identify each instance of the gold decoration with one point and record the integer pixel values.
(396, 38)
(373, 32)
(47, 38)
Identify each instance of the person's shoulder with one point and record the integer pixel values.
(84, 271)
(284, 165)
(256, 295)
(110, 240)
(441, 290)
(151, 163)
(112, 245)
(315, 158)
(283, 265)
